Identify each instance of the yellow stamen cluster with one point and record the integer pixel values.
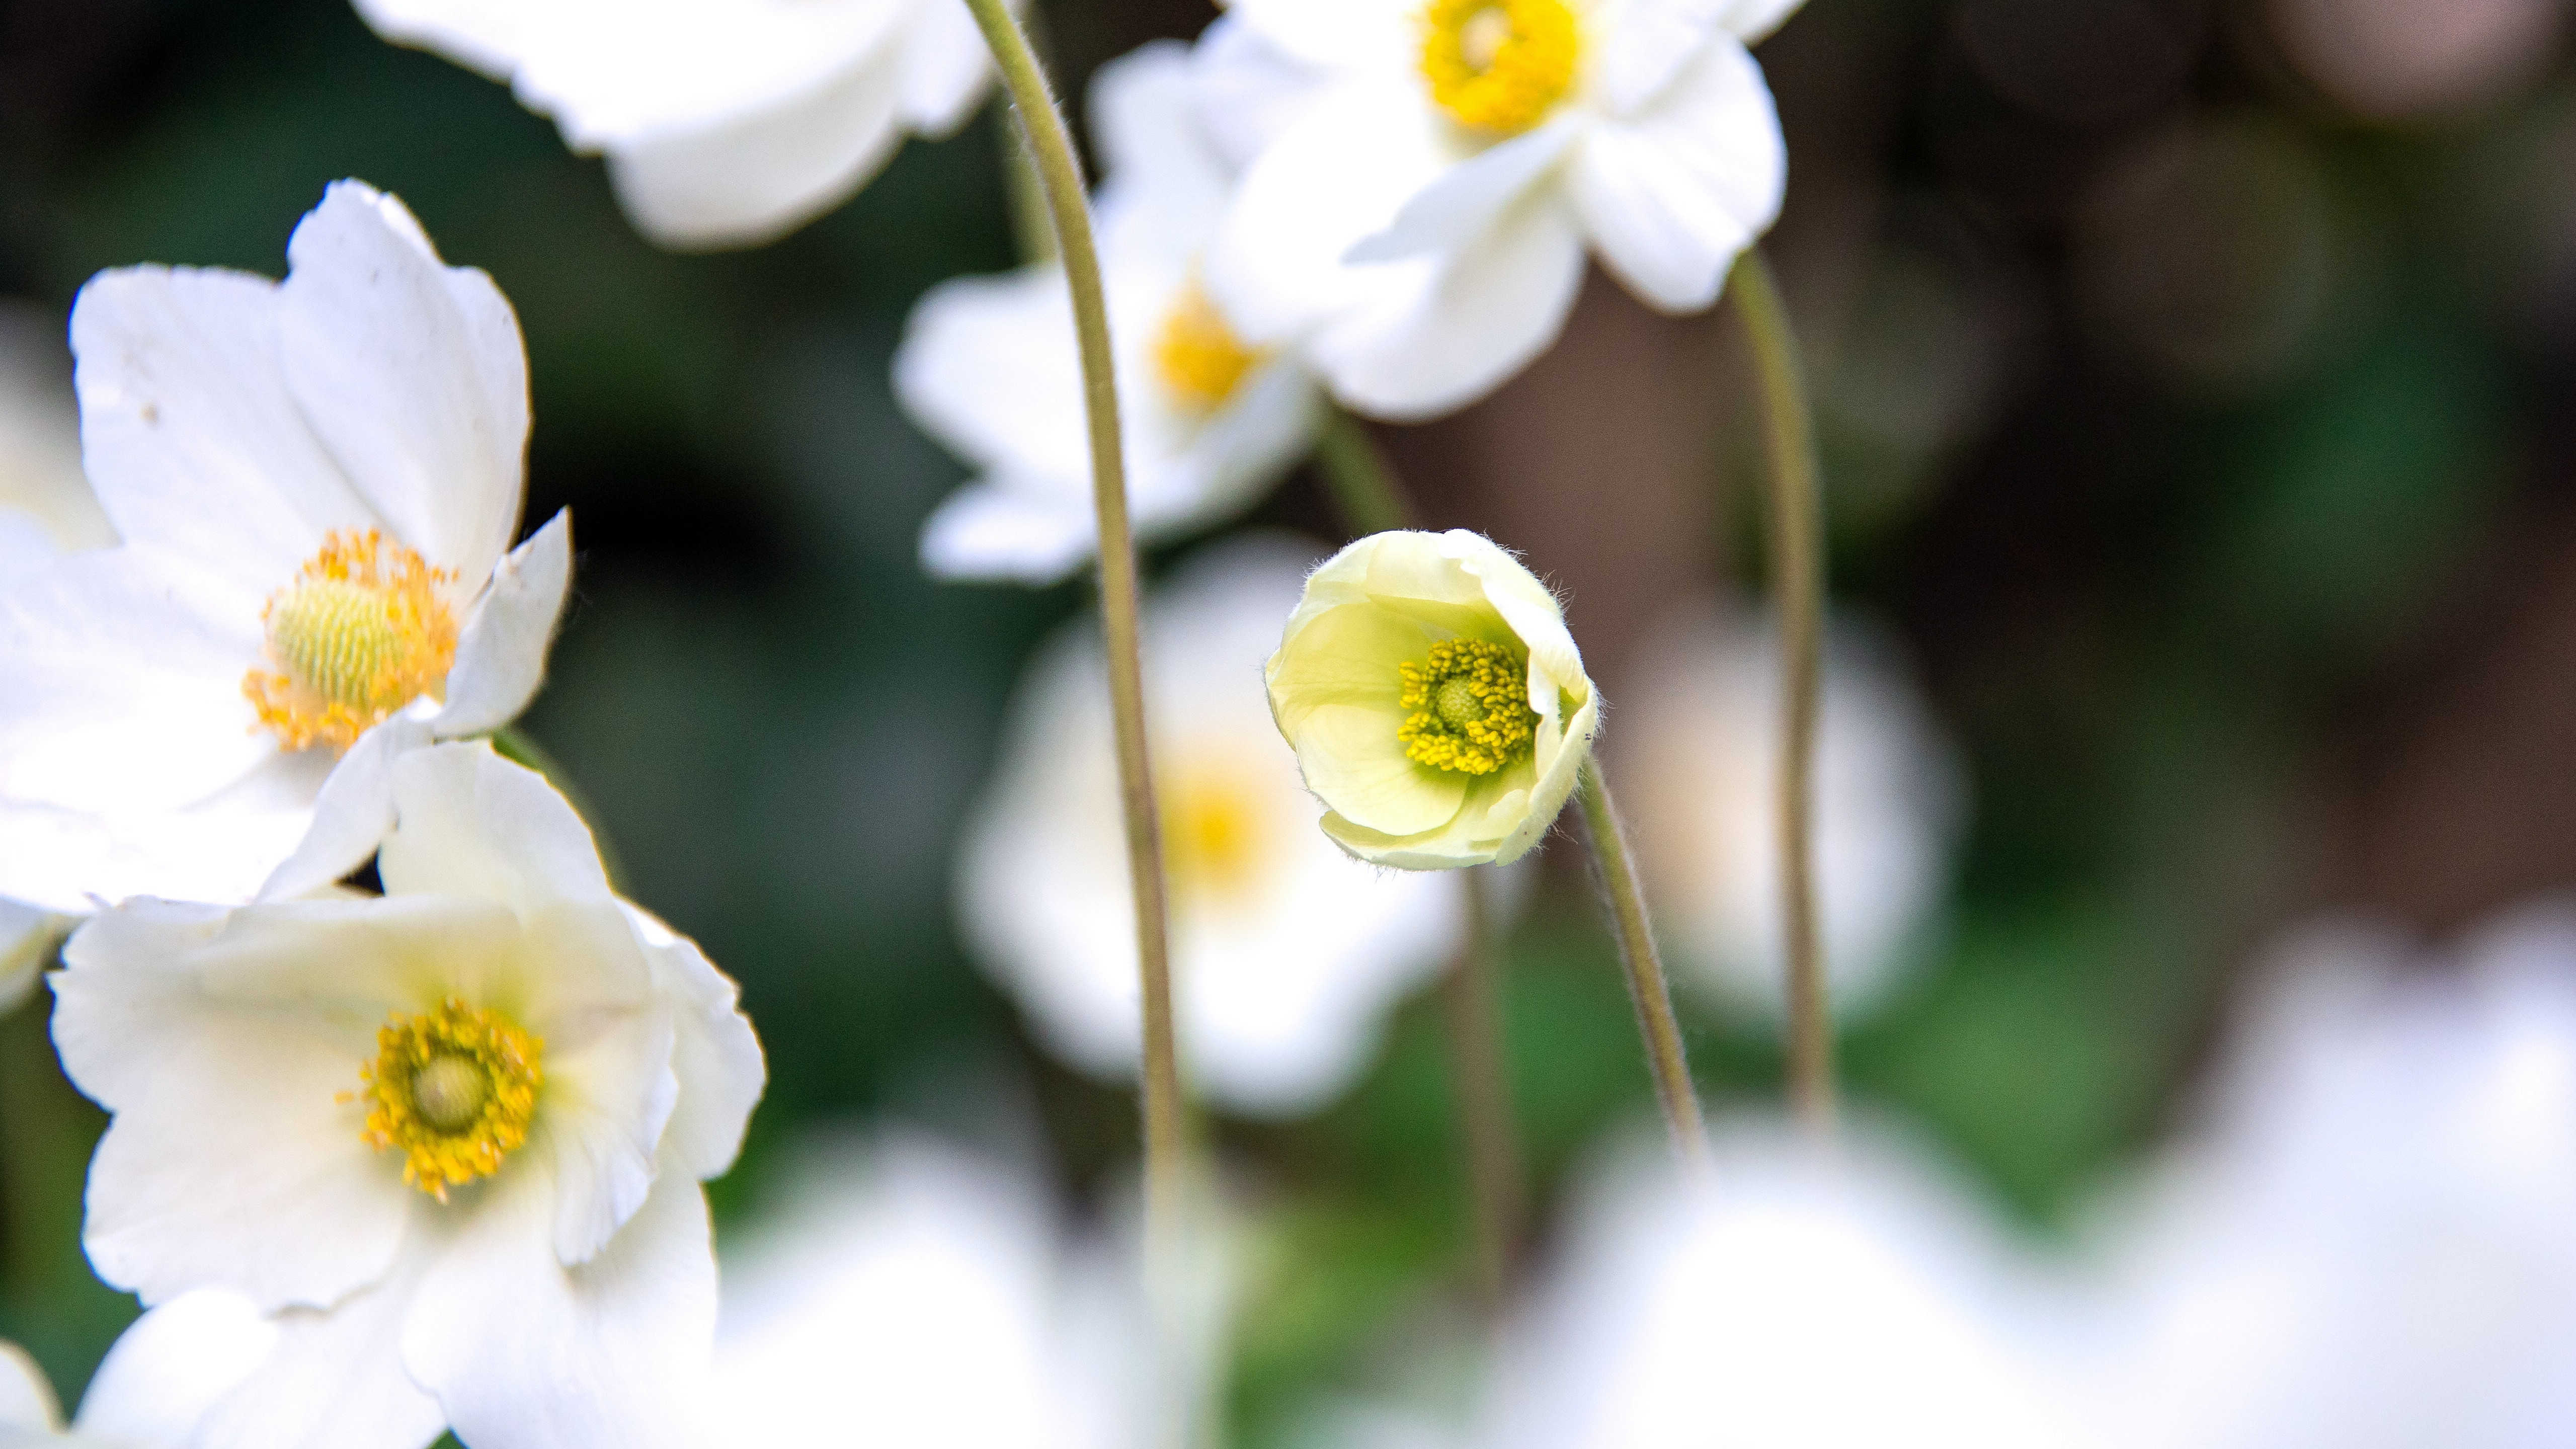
(1499, 66)
(1199, 359)
(453, 1091)
(361, 632)
(1470, 706)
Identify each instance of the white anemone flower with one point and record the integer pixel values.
(447, 1141)
(931, 1297)
(1287, 953)
(46, 506)
(2370, 1239)
(1792, 1299)
(1704, 726)
(725, 122)
(1428, 176)
(990, 365)
(316, 483)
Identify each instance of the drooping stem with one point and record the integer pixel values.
(1364, 487)
(1647, 988)
(1166, 1168)
(1494, 1173)
(1798, 590)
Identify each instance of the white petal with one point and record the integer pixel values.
(231, 1161)
(172, 1366)
(411, 373)
(121, 683)
(472, 823)
(1752, 21)
(27, 940)
(1670, 197)
(1469, 197)
(1437, 335)
(1249, 91)
(1238, 453)
(1163, 177)
(985, 533)
(609, 1099)
(28, 1412)
(189, 432)
(1357, 33)
(25, 546)
(352, 814)
(526, 1354)
(717, 1058)
(752, 175)
(989, 366)
(945, 68)
(1342, 173)
(330, 1380)
(221, 850)
(1644, 44)
(501, 656)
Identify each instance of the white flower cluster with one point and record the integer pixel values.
(379, 1163)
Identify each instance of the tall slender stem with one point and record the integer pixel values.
(1798, 587)
(1364, 487)
(1647, 989)
(1166, 1170)
(1494, 1172)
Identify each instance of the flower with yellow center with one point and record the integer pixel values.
(315, 484)
(990, 368)
(447, 1141)
(1286, 953)
(1437, 706)
(1424, 180)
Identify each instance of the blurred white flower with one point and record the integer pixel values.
(909, 1294)
(46, 506)
(447, 1142)
(153, 1387)
(725, 122)
(1703, 727)
(990, 366)
(2370, 1242)
(1427, 176)
(1286, 952)
(316, 483)
(1792, 1299)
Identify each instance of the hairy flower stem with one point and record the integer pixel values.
(1364, 486)
(1798, 587)
(1166, 1167)
(1494, 1171)
(1647, 988)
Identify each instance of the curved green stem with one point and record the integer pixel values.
(1166, 1170)
(1647, 988)
(1798, 586)
(1364, 486)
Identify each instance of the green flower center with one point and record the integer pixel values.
(1470, 707)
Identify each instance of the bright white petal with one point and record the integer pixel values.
(28, 1412)
(330, 1380)
(715, 1055)
(1249, 91)
(172, 1366)
(219, 850)
(1165, 186)
(411, 373)
(1469, 197)
(1752, 21)
(1670, 197)
(946, 67)
(989, 366)
(471, 823)
(1434, 336)
(501, 656)
(986, 533)
(189, 431)
(752, 175)
(232, 1160)
(608, 1102)
(1369, 34)
(524, 1353)
(352, 814)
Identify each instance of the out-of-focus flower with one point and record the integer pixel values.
(990, 364)
(932, 1298)
(2371, 1241)
(316, 483)
(448, 1141)
(45, 503)
(725, 122)
(154, 1386)
(1704, 728)
(1427, 178)
(2403, 58)
(1437, 705)
(1792, 1298)
(1286, 951)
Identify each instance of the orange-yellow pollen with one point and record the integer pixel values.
(361, 632)
(1499, 66)
(453, 1091)
(1470, 708)
(1199, 359)
(1212, 820)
